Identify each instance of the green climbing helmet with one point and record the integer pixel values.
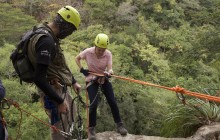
(70, 14)
(102, 41)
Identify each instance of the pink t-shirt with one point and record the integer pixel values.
(97, 65)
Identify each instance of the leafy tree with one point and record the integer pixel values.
(13, 23)
(191, 57)
(166, 12)
(126, 14)
(200, 12)
(208, 43)
(102, 11)
(149, 28)
(36, 8)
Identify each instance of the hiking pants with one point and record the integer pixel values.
(65, 120)
(109, 94)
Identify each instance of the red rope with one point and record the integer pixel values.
(16, 105)
(175, 89)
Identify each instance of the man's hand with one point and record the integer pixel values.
(63, 108)
(76, 87)
(85, 72)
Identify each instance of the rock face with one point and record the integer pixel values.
(111, 135)
(207, 132)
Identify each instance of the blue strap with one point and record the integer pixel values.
(48, 104)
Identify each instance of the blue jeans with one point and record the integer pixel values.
(109, 94)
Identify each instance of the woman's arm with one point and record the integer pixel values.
(109, 65)
(78, 61)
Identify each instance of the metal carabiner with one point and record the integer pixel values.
(65, 134)
(71, 128)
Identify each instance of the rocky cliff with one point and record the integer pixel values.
(207, 132)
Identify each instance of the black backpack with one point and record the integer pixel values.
(19, 56)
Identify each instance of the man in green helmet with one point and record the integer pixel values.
(52, 75)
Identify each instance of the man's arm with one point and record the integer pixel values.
(44, 51)
(41, 81)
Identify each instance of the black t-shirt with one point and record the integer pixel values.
(45, 50)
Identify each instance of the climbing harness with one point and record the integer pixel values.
(55, 116)
(76, 127)
(100, 80)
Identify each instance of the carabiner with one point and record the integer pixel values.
(65, 134)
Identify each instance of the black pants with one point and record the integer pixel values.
(109, 94)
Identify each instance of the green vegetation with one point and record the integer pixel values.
(165, 42)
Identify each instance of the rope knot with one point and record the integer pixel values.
(178, 89)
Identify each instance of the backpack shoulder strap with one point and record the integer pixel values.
(44, 28)
(31, 51)
(39, 31)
